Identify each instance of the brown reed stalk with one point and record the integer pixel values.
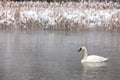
(17, 15)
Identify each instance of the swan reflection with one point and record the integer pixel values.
(94, 65)
(92, 70)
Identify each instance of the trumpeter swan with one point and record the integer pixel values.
(91, 58)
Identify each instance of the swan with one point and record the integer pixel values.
(91, 58)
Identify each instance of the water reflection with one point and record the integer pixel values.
(94, 65)
(91, 71)
(45, 55)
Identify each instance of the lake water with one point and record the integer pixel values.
(52, 55)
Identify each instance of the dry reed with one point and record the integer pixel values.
(64, 16)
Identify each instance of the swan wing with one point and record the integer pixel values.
(95, 58)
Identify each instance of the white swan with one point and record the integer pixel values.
(91, 58)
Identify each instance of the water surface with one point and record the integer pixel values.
(52, 55)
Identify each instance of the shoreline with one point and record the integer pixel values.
(71, 16)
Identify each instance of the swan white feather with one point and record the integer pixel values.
(91, 58)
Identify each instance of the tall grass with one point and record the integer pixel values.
(55, 16)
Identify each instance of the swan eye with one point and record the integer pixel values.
(79, 49)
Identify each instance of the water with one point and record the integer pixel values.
(52, 55)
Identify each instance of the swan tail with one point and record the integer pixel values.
(105, 59)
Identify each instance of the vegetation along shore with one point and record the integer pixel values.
(77, 16)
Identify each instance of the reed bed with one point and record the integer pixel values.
(60, 16)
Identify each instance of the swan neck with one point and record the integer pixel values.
(85, 54)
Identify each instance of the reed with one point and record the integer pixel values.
(60, 16)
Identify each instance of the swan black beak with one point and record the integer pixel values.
(79, 49)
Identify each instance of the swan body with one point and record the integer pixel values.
(94, 58)
(91, 58)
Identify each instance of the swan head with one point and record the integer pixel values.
(82, 48)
